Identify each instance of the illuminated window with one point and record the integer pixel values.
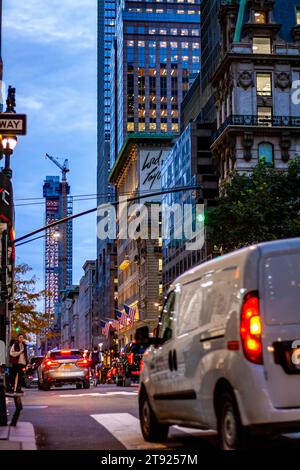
(298, 15)
(264, 114)
(160, 265)
(175, 127)
(130, 126)
(195, 32)
(266, 153)
(142, 127)
(152, 31)
(185, 45)
(164, 127)
(152, 126)
(261, 45)
(180, 12)
(162, 31)
(260, 17)
(264, 84)
(173, 32)
(184, 32)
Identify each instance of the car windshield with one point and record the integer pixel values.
(61, 355)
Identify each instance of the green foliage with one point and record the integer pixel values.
(25, 317)
(262, 206)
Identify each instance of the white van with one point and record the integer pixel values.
(226, 353)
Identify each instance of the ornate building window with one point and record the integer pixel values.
(260, 17)
(264, 84)
(262, 45)
(266, 153)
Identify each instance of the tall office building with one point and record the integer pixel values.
(157, 57)
(211, 55)
(58, 246)
(105, 289)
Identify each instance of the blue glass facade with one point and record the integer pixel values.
(105, 289)
(158, 56)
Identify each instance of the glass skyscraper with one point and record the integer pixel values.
(106, 32)
(106, 290)
(157, 55)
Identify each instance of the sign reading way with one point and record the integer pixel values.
(13, 124)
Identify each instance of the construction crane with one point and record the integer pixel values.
(58, 253)
(64, 168)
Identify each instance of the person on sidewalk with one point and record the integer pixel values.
(19, 359)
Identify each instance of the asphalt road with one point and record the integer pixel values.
(106, 418)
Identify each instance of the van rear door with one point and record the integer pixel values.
(280, 307)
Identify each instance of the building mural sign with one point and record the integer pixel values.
(150, 166)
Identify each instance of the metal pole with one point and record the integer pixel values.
(3, 327)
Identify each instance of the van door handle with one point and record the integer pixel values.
(174, 360)
(170, 361)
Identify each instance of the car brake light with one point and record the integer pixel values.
(251, 328)
(82, 363)
(141, 365)
(50, 364)
(66, 351)
(131, 358)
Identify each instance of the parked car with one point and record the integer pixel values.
(129, 364)
(225, 355)
(31, 371)
(61, 367)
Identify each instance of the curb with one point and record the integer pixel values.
(23, 435)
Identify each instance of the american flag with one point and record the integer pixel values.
(130, 311)
(122, 317)
(116, 325)
(105, 328)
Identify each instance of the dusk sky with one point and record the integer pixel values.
(50, 56)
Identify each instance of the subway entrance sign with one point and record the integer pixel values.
(13, 124)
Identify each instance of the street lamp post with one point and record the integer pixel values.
(9, 143)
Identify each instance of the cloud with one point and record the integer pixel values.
(29, 103)
(54, 22)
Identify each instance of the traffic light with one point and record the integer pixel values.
(201, 218)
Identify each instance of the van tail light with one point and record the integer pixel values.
(83, 363)
(251, 328)
(131, 358)
(51, 364)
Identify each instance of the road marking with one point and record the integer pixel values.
(108, 394)
(34, 407)
(126, 429)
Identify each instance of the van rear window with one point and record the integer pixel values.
(282, 289)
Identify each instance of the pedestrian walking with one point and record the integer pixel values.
(19, 359)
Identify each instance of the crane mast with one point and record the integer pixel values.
(63, 243)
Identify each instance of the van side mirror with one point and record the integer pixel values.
(142, 335)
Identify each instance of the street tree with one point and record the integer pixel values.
(26, 317)
(256, 207)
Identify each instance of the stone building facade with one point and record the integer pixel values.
(139, 259)
(258, 117)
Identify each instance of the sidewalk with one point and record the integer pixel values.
(21, 437)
